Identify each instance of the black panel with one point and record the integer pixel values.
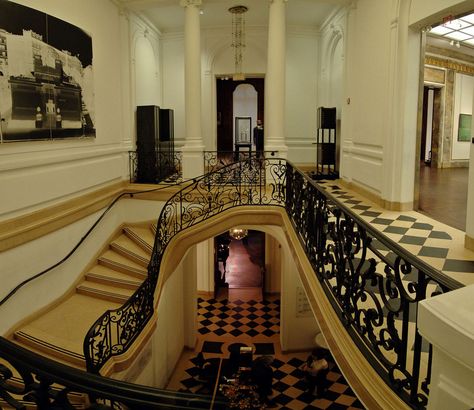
(327, 118)
(148, 122)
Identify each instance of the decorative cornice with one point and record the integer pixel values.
(449, 64)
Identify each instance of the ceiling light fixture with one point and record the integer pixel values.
(238, 233)
(238, 39)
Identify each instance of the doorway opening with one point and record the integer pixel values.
(240, 264)
(441, 185)
(234, 99)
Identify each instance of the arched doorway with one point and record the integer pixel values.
(225, 89)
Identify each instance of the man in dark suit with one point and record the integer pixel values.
(258, 138)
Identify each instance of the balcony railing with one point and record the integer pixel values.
(373, 284)
(214, 160)
(167, 167)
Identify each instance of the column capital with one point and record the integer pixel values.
(186, 3)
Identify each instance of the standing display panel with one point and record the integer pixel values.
(148, 139)
(326, 144)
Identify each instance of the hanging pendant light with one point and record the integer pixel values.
(238, 39)
(238, 233)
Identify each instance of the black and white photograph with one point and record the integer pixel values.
(46, 77)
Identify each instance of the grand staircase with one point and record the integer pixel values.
(58, 331)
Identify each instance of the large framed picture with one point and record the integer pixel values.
(464, 130)
(46, 77)
(243, 130)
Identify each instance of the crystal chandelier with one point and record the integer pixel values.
(238, 233)
(238, 39)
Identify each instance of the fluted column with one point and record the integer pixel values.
(193, 147)
(275, 79)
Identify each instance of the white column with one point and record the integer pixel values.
(447, 322)
(275, 80)
(192, 150)
(470, 195)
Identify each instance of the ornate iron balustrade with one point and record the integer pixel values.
(161, 158)
(214, 160)
(242, 183)
(374, 285)
(27, 379)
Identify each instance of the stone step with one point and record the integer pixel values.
(108, 276)
(127, 247)
(120, 263)
(142, 236)
(104, 292)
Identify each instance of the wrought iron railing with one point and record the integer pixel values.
(373, 284)
(114, 332)
(167, 167)
(214, 160)
(27, 380)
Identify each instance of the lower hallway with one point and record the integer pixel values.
(247, 319)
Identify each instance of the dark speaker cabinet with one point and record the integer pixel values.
(327, 118)
(155, 144)
(326, 144)
(167, 166)
(148, 139)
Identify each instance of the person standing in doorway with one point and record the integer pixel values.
(258, 138)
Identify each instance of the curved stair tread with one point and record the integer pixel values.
(121, 263)
(66, 324)
(143, 236)
(123, 242)
(103, 274)
(103, 291)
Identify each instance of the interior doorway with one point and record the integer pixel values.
(240, 263)
(430, 129)
(225, 88)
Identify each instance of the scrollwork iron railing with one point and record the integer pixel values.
(261, 182)
(214, 160)
(27, 380)
(373, 284)
(167, 165)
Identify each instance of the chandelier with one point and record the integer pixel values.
(238, 233)
(238, 39)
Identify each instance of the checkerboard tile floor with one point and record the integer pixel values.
(438, 244)
(263, 317)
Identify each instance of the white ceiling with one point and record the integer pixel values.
(168, 15)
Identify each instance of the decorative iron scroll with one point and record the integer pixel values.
(214, 160)
(28, 380)
(161, 158)
(252, 182)
(373, 284)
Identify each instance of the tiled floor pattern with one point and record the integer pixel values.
(256, 323)
(439, 245)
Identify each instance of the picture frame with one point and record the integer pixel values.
(243, 130)
(464, 130)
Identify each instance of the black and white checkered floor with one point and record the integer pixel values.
(223, 323)
(438, 244)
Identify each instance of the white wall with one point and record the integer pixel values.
(463, 94)
(218, 59)
(301, 95)
(36, 174)
(24, 261)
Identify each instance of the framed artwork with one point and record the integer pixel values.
(46, 77)
(464, 130)
(243, 130)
